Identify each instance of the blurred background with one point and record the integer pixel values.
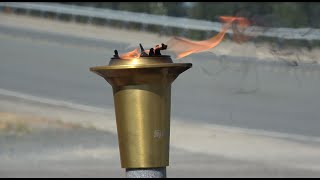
(247, 109)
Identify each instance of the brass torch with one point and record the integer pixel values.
(142, 99)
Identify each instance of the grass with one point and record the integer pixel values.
(9, 124)
(21, 124)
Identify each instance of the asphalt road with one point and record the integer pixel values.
(225, 90)
(218, 90)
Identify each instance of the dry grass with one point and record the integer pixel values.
(20, 124)
(11, 124)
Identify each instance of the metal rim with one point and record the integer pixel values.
(162, 65)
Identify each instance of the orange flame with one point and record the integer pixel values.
(184, 47)
(132, 54)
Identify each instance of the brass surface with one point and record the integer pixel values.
(142, 60)
(142, 95)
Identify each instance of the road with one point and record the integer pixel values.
(225, 90)
(243, 116)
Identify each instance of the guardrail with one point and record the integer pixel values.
(164, 21)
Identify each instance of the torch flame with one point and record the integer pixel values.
(132, 54)
(184, 47)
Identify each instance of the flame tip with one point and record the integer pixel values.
(184, 47)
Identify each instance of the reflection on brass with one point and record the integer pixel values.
(142, 94)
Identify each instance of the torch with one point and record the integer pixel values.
(142, 98)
